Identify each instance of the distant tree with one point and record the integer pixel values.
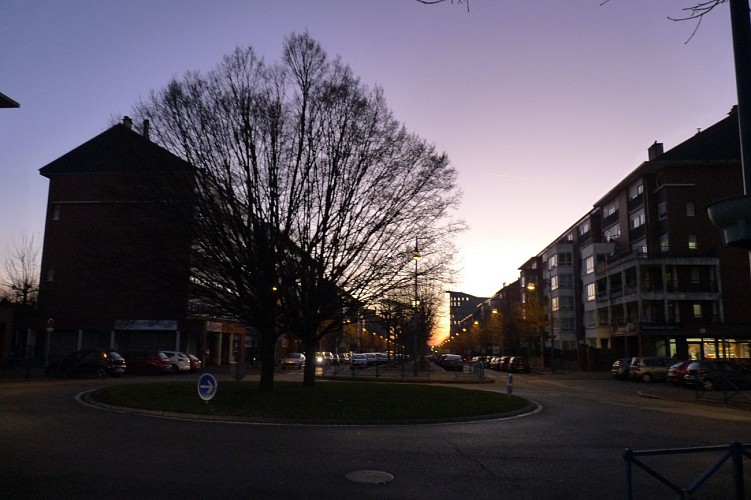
(21, 279)
(533, 318)
(306, 190)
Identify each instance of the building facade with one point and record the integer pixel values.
(645, 272)
(115, 265)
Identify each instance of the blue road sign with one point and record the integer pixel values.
(207, 386)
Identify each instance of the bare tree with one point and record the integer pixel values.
(306, 190)
(21, 280)
(433, 2)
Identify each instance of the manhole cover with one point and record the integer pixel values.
(370, 477)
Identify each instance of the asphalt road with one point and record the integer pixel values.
(55, 447)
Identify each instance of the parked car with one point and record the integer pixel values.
(382, 358)
(294, 360)
(195, 363)
(649, 368)
(98, 363)
(358, 360)
(519, 364)
(371, 357)
(718, 374)
(451, 362)
(620, 368)
(677, 372)
(503, 363)
(179, 360)
(147, 362)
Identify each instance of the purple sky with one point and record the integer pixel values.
(541, 107)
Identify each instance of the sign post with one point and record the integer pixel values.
(207, 386)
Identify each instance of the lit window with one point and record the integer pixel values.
(555, 304)
(554, 283)
(611, 208)
(612, 233)
(637, 219)
(589, 264)
(591, 293)
(664, 243)
(692, 244)
(635, 191)
(697, 311)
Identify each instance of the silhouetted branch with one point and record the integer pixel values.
(433, 2)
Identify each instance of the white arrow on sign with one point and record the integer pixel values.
(207, 386)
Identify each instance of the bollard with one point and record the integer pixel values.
(510, 384)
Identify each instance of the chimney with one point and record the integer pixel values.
(146, 126)
(654, 150)
(127, 122)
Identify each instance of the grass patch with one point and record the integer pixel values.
(330, 401)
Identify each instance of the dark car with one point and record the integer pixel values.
(677, 372)
(451, 362)
(717, 374)
(195, 363)
(98, 363)
(620, 368)
(519, 364)
(147, 362)
(503, 363)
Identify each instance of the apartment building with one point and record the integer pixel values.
(645, 271)
(461, 305)
(659, 280)
(115, 265)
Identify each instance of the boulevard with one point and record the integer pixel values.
(56, 447)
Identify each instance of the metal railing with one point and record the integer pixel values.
(734, 452)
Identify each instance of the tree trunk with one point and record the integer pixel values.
(268, 350)
(309, 378)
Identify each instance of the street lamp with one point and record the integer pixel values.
(416, 257)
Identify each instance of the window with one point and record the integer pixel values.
(566, 303)
(554, 283)
(589, 264)
(637, 219)
(565, 259)
(566, 280)
(664, 244)
(697, 311)
(612, 233)
(662, 210)
(695, 275)
(584, 228)
(640, 247)
(56, 212)
(635, 191)
(690, 209)
(611, 208)
(591, 292)
(590, 318)
(553, 261)
(555, 304)
(567, 324)
(692, 243)
(51, 274)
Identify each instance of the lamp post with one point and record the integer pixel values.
(497, 315)
(416, 257)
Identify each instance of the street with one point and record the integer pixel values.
(55, 447)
